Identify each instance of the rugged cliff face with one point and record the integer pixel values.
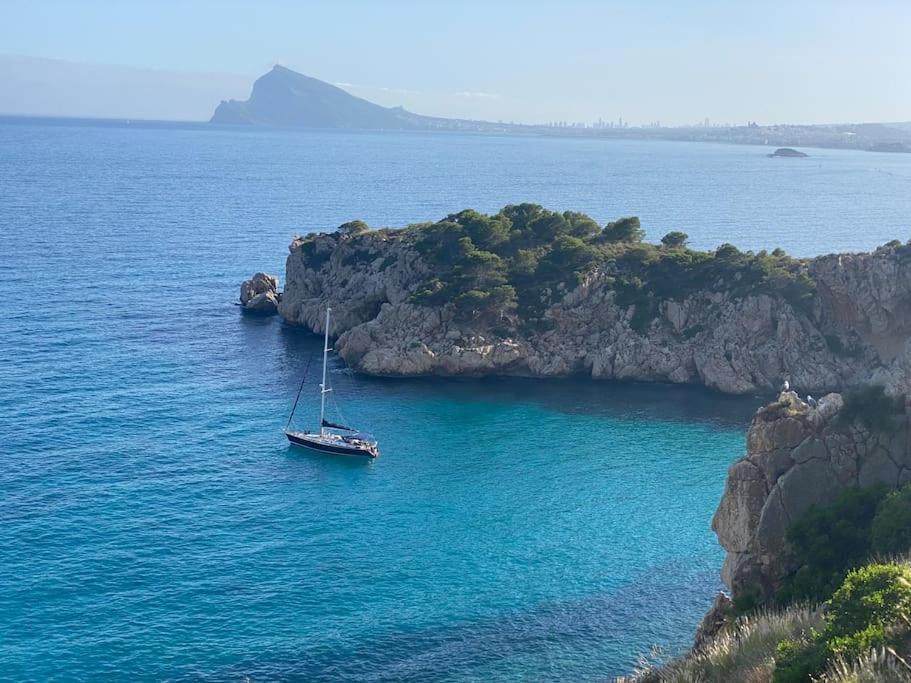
(798, 456)
(856, 328)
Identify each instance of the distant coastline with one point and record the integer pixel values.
(285, 98)
(630, 134)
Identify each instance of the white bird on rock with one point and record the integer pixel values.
(812, 402)
(786, 386)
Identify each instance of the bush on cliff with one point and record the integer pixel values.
(745, 651)
(624, 230)
(829, 541)
(855, 637)
(353, 228)
(797, 660)
(675, 239)
(891, 529)
(870, 610)
(870, 406)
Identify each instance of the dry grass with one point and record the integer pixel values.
(880, 666)
(744, 652)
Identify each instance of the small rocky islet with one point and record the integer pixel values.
(788, 152)
(534, 292)
(259, 295)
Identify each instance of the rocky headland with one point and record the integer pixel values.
(815, 522)
(537, 293)
(799, 457)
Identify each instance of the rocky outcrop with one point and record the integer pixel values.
(259, 294)
(797, 457)
(788, 152)
(718, 616)
(858, 329)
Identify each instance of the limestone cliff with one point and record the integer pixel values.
(798, 456)
(857, 328)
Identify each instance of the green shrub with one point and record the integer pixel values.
(541, 254)
(675, 239)
(353, 228)
(746, 602)
(743, 651)
(624, 230)
(872, 407)
(796, 662)
(891, 529)
(829, 541)
(870, 609)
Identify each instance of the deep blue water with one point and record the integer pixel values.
(156, 525)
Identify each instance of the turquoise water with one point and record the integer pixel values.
(156, 525)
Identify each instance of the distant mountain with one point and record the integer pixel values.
(284, 97)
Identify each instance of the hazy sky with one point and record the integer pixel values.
(522, 60)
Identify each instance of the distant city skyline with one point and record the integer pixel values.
(830, 61)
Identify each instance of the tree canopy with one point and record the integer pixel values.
(525, 257)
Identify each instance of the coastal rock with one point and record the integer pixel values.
(259, 294)
(718, 616)
(788, 152)
(797, 457)
(857, 328)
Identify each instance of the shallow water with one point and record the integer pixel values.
(157, 525)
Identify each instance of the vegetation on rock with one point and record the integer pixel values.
(891, 527)
(870, 610)
(525, 257)
(860, 634)
(828, 542)
(743, 652)
(872, 407)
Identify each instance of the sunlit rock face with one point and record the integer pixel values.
(798, 456)
(260, 294)
(856, 330)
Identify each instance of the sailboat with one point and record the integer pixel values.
(332, 437)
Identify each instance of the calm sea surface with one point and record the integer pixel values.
(154, 522)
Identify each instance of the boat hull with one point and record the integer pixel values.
(320, 447)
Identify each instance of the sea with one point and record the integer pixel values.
(157, 526)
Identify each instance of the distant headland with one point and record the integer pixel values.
(288, 99)
(285, 98)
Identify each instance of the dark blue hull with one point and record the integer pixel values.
(329, 448)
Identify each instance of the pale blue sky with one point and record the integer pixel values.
(809, 61)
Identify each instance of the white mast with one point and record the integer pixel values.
(323, 390)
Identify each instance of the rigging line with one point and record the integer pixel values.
(337, 408)
(297, 398)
